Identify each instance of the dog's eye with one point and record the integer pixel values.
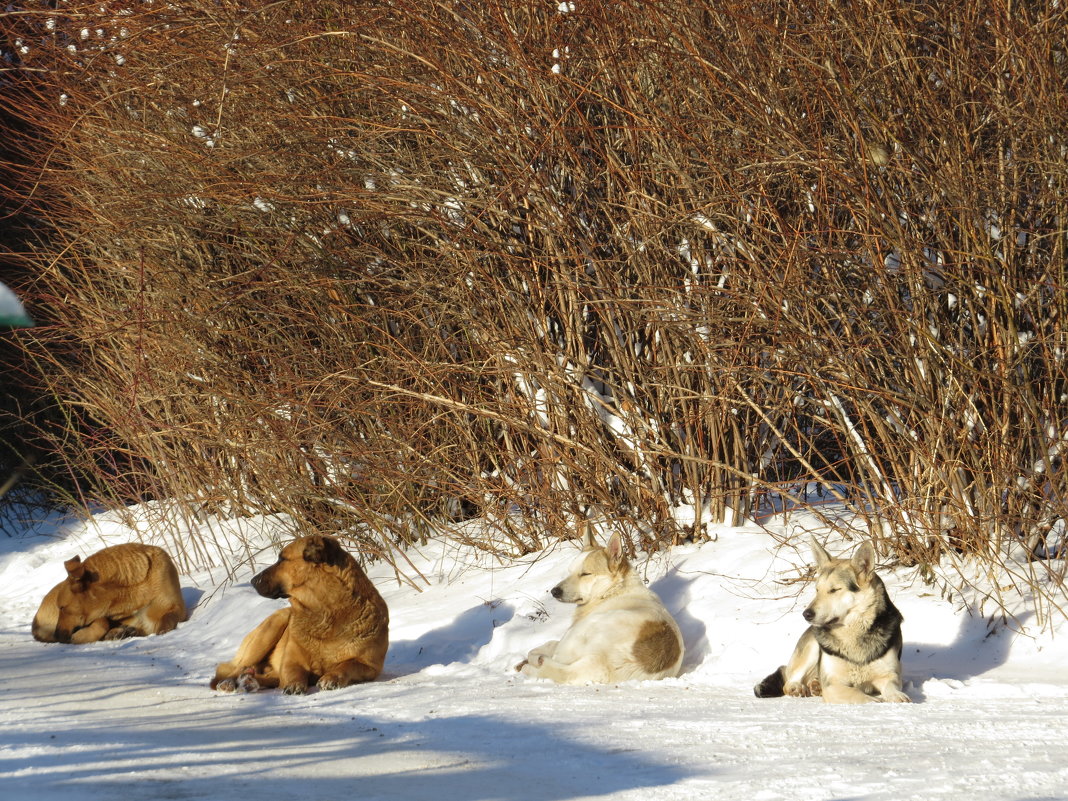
(583, 574)
(833, 590)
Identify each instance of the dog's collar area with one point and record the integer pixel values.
(881, 626)
(830, 651)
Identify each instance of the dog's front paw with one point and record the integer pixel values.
(807, 689)
(244, 682)
(247, 682)
(296, 688)
(897, 697)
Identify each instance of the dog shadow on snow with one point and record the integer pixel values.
(192, 596)
(977, 648)
(675, 590)
(459, 641)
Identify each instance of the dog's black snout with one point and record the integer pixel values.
(808, 614)
(556, 591)
(266, 586)
(257, 582)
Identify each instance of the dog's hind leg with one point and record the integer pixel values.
(157, 617)
(591, 667)
(772, 685)
(351, 671)
(889, 689)
(163, 616)
(137, 624)
(169, 621)
(254, 652)
(259, 642)
(94, 632)
(537, 655)
(123, 632)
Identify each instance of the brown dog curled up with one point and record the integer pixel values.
(129, 590)
(335, 631)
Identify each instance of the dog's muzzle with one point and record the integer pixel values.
(263, 584)
(810, 615)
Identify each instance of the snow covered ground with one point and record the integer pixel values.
(450, 720)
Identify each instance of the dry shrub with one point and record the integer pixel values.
(377, 264)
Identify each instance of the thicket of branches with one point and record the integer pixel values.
(378, 264)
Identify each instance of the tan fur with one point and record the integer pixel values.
(334, 633)
(126, 590)
(620, 630)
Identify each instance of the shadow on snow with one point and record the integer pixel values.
(458, 641)
(675, 591)
(976, 649)
(87, 745)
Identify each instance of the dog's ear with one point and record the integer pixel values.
(585, 532)
(75, 568)
(77, 576)
(864, 561)
(819, 553)
(324, 551)
(614, 551)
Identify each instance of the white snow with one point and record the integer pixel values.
(451, 721)
(11, 310)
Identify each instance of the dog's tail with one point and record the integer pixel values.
(772, 686)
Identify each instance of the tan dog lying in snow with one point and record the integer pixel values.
(123, 591)
(334, 633)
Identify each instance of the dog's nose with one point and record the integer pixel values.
(808, 614)
(556, 592)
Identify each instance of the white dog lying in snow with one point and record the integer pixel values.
(621, 630)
